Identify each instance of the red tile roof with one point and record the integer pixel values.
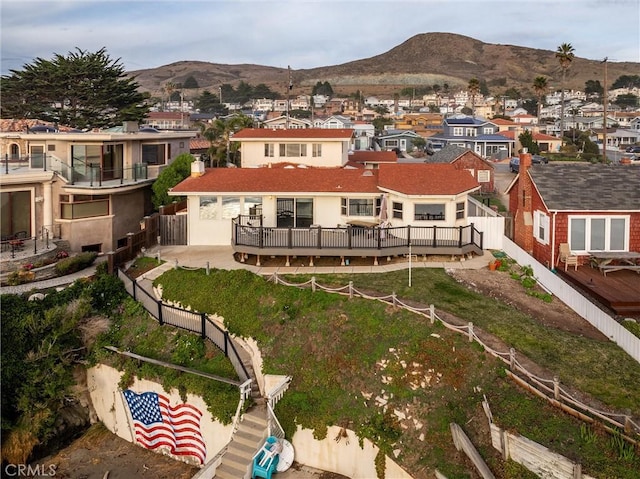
(199, 144)
(410, 179)
(274, 180)
(502, 121)
(426, 179)
(362, 156)
(536, 136)
(293, 134)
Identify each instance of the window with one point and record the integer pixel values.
(269, 150)
(599, 233)
(230, 207)
(484, 176)
(358, 206)
(391, 143)
(458, 131)
(208, 207)
(293, 150)
(460, 210)
(252, 206)
(470, 132)
(73, 207)
(317, 150)
(487, 130)
(397, 210)
(541, 227)
(429, 212)
(154, 154)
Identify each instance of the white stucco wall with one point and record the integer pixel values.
(333, 153)
(345, 457)
(109, 403)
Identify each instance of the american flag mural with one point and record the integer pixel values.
(158, 424)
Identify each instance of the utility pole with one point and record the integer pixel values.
(604, 119)
(290, 87)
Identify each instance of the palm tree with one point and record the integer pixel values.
(540, 87)
(219, 134)
(169, 88)
(474, 89)
(565, 56)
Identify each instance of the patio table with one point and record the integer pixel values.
(608, 261)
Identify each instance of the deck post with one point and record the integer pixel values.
(435, 236)
(460, 236)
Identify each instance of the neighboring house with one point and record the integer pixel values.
(284, 122)
(363, 133)
(336, 122)
(168, 120)
(371, 159)
(397, 139)
(593, 207)
(305, 146)
(476, 134)
(463, 159)
(547, 143)
(424, 124)
(301, 192)
(90, 189)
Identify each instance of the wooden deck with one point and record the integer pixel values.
(618, 291)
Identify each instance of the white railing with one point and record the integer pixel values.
(275, 429)
(606, 324)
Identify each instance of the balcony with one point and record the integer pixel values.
(355, 241)
(81, 175)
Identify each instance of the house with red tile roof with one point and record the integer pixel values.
(300, 192)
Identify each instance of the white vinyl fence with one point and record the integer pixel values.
(488, 221)
(576, 301)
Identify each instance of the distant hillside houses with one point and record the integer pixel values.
(427, 115)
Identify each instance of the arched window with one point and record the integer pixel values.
(14, 152)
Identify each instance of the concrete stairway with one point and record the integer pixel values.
(252, 431)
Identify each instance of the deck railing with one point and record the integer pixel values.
(80, 173)
(353, 237)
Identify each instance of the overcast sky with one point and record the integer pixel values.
(304, 34)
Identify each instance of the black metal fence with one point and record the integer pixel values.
(188, 320)
(353, 237)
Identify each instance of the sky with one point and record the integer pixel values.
(145, 34)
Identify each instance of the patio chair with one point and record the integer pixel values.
(567, 257)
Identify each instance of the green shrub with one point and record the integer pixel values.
(75, 263)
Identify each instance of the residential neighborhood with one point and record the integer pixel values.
(431, 254)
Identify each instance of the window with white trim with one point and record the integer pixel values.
(460, 210)
(470, 132)
(487, 130)
(397, 210)
(293, 150)
(598, 233)
(541, 227)
(458, 131)
(269, 150)
(316, 150)
(429, 212)
(360, 206)
(208, 207)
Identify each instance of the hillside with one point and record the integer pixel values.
(424, 59)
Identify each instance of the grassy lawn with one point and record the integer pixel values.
(351, 358)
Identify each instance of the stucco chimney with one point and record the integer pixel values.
(197, 168)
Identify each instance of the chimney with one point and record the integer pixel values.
(197, 168)
(524, 212)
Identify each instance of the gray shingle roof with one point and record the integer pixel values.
(446, 154)
(588, 187)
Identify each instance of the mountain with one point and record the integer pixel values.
(424, 59)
